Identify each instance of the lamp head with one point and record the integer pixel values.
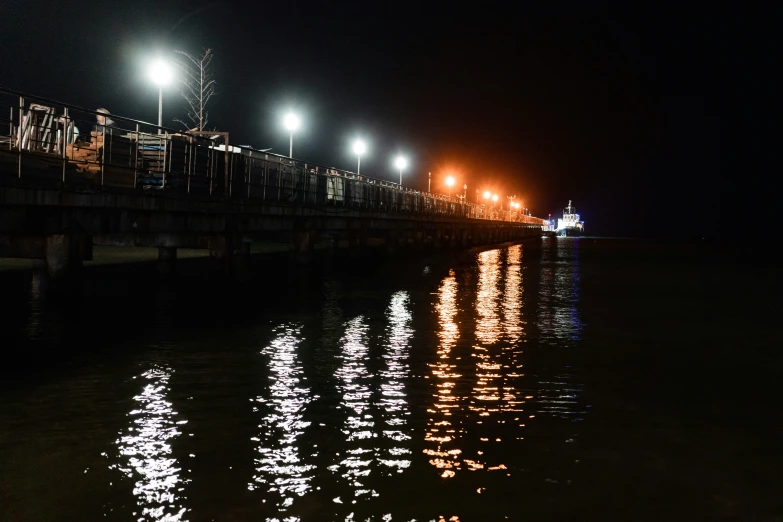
(291, 121)
(359, 147)
(160, 73)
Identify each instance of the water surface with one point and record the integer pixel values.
(571, 379)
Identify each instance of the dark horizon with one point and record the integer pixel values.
(609, 107)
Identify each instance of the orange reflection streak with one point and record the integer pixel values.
(145, 449)
(495, 395)
(487, 296)
(278, 465)
(513, 323)
(441, 434)
(394, 405)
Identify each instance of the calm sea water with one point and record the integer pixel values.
(567, 379)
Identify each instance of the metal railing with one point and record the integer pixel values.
(92, 148)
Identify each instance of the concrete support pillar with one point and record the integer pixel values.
(64, 254)
(358, 235)
(437, 238)
(241, 266)
(222, 248)
(392, 240)
(302, 241)
(167, 259)
(419, 237)
(357, 238)
(451, 240)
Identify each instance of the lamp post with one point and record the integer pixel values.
(450, 183)
(465, 191)
(400, 163)
(291, 122)
(429, 182)
(359, 148)
(161, 75)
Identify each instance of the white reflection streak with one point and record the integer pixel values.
(279, 465)
(560, 322)
(560, 289)
(393, 401)
(559, 397)
(354, 380)
(147, 448)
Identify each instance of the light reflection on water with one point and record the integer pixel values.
(280, 469)
(394, 403)
(450, 404)
(559, 319)
(513, 322)
(146, 454)
(560, 325)
(487, 321)
(354, 381)
(495, 398)
(440, 438)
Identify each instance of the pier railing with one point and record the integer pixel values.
(69, 146)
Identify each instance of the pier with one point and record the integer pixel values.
(72, 178)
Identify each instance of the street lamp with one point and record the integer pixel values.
(487, 194)
(450, 183)
(400, 163)
(465, 193)
(291, 122)
(161, 75)
(359, 148)
(494, 198)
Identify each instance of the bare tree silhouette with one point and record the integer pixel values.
(197, 86)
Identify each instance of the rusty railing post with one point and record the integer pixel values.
(165, 152)
(19, 139)
(65, 141)
(136, 159)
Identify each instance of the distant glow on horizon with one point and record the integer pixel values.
(487, 194)
(291, 121)
(400, 162)
(450, 181)
(359, 147)
(160, 73)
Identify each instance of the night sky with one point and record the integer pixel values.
(614, 107)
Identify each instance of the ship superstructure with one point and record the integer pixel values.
(570, 224)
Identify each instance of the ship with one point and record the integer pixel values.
(570, 224)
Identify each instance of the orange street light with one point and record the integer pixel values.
(450, 183)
